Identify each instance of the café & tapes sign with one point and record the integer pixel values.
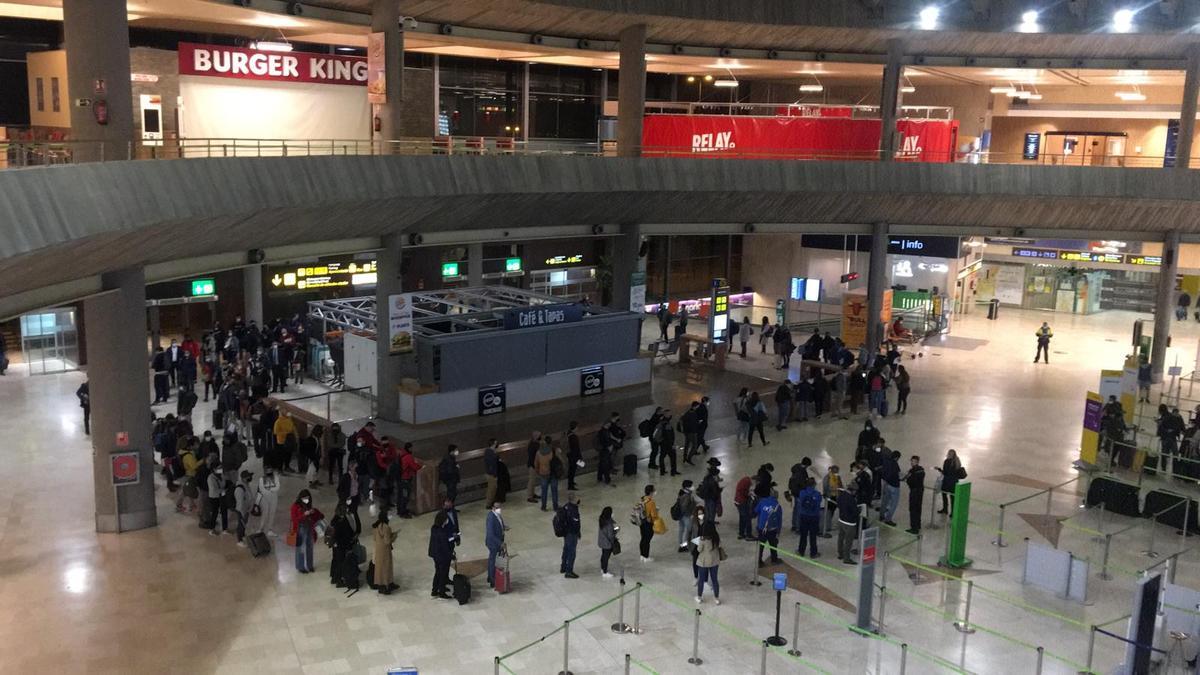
(542, 315)
(250, 64)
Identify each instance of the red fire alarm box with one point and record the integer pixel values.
(100, 112)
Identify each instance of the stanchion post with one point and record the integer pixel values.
(637, 608)
(496, 665)
(1187, 513)
(754, 569)
(964, 626)
(566, 647)
(627, 660)
(1174, 566)
(1041, 653)
(903, 657)
(795, 650)
(620, 626)
(1091, 651)
(1104, 566)
(882, 605)
(763, 670)
(999, 541)
(1049, 498)
(695, 659)
(932, 508)
(1150, 552)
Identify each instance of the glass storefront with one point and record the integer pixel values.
(480, 98)
(50, 341)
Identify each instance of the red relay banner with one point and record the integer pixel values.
(794, 137)
(251, 64)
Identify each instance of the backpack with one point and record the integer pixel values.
(556, 467)
(645, 428)
(201, 476)
(703, 490)
(559, 523)
(638, 514)
(676, 511)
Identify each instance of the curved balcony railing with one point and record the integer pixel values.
(17, 154)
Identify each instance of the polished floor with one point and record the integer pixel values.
(174, 599)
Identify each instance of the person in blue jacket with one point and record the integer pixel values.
(770, 521)
(494, 540)
(809, 503)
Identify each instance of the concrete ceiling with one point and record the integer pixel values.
(63, 224)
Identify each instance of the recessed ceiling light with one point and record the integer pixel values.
(1131, 96)
(1002, 90)
(929, 17)
(269, 46)
(811, 87)
(725, 83)
(1123, 20)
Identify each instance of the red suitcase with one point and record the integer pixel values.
(504, 576)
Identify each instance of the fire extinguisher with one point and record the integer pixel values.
(377, 124)
(100, 112)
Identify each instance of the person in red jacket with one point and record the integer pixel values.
(305, 517)
(367, 436)
(385, 454)
(409, 466)
(745, 507)
(191, 346)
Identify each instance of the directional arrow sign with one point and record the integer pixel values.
(276, 280)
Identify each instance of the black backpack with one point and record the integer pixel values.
(556, 467)
(560, 523)
(645, 428)
(201, 477)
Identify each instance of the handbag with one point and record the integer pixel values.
(616, 547)
(291, 538)
(360, 554)
(660, 527)
(721, 553)
(256, 508)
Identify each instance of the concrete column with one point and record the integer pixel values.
(1187, 110)
(388, 366)
(1164, 303)
(877, 283)
(97, 45)
(525, 103)
(631, 92)
(385, 18)
(889, 101)
(625, 263)
(252, 292)
(475, 265)
(120, 394)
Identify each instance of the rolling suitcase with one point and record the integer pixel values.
(258, 544)
(462, 588)
(503, 577)
(630, 464)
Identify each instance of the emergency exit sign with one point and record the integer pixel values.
(512, 265)
(203, 287)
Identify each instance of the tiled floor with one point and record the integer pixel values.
(173, 599)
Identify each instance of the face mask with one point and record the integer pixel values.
(360, 444)
(701, 517)
(305, 500)
(496, 511)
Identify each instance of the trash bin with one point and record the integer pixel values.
(993, 309)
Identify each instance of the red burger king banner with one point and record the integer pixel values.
(794, 137)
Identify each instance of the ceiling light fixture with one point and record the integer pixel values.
(908, 87)
(1131, 96)
(1003, 90)
(1029, 22)
(726, 83)
(812, 88)
(269, 46)
(929, 18)
(1123, 20)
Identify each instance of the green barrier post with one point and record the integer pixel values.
(956, 538)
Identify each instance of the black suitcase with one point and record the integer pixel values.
(1186, 467)
(462, 588)
(630, 464)
(258, 544)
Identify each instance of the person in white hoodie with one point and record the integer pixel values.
(267, 499)
(243, 500)
(216, 502)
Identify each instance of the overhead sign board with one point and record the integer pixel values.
(330, 273)
(512, 264)
(1087, 256)
(718, 320)
(1033, 145)
(493, 400)
(591, 381)
(805, 289)
(542, 315)
(449, 269)
(573, 259)
(203, 287)
(250, 64)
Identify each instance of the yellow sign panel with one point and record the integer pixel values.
(854, 317)
(334, 274)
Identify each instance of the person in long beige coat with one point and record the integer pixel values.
(384, 580)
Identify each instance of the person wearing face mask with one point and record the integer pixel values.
(305, 517)
(494, 540)
(267, 500)
(242, 502)
(606, 539)
(350, 486)
(448, 472)
(491, 470)
(216, 505)
(346, 528)
(695, 525)
(384, 536)
(335, 452)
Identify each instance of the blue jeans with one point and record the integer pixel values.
(685, 526)
(795, 513)
(744, 528)
(708, 574)
(785, 412)
(550, 485)
(877, 399)
(570, 542)
(491, 566)
(304, 548)
(889, 502)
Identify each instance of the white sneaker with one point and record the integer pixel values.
(717, 600)
(698, 600)
(606, 575)
(213, 533)
(242, 544)
(647, 560)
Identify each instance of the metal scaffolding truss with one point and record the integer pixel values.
(441, 312)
